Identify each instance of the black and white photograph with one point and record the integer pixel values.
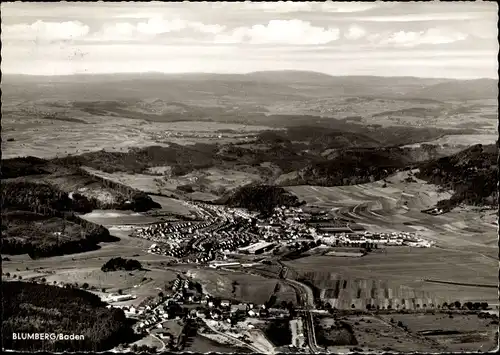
(249, 177)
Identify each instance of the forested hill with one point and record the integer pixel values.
(35, 308)
(471, 173)
(261, 198)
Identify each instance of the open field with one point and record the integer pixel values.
(397, 277)
(209, 183)
(461, 140)
(397, 207)
(248, 288)
(466, 332)
(35, 132)
(61, 269)
(202, 345)
(375, 334)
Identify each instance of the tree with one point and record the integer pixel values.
(457, 304)
(353, 306)
(484, 305)
(103, 290)
(368, 306)
(120, 292)
(445, 305)
(160, 294)
(85, 286)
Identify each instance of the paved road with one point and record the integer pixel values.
(163, 346)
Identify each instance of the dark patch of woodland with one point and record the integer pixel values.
(118, 263)
(472, 174)
(261, 198)
(36, 308)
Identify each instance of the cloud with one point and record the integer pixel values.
(436, 35)
(290, 6)
(152, 27)
(45, 31)
(355, 32)
(426, 16)
(342, 7)
(281, 32)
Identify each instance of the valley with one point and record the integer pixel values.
(324, 212)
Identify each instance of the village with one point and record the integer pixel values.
(183, 302)
(227, 233)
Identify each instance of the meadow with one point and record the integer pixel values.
(247, 288)
(468, 332)
(395, 204)
(396, 276)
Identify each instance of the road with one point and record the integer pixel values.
(163, 346)
(306, 297)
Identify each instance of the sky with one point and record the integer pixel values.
(424, 39)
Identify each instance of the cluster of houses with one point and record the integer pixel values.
(394, 238)
(201, 242)
(183, 305)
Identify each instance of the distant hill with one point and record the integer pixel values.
(352, 166)
(265, 85)
(459, 90)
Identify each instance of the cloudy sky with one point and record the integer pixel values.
(456, 40)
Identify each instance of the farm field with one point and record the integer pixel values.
(398, 206)
(397, 277)
(207, 183)
(467, 332)
(46, 129)
(370, 334)
(248, 288)
(61, 269)
(466, 247)
(461, 140)
(202, 345)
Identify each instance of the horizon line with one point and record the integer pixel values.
(243, 74)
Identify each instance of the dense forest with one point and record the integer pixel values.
(40, 220)
(183, 159)
(36, 308)
(353, 166)
(126, 198)
(42, 198)
(118, 263)
(41, 235)
(23, 166)
(472, 174)
(261, 198)
(290, 150)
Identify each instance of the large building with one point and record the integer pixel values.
(257, 248)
